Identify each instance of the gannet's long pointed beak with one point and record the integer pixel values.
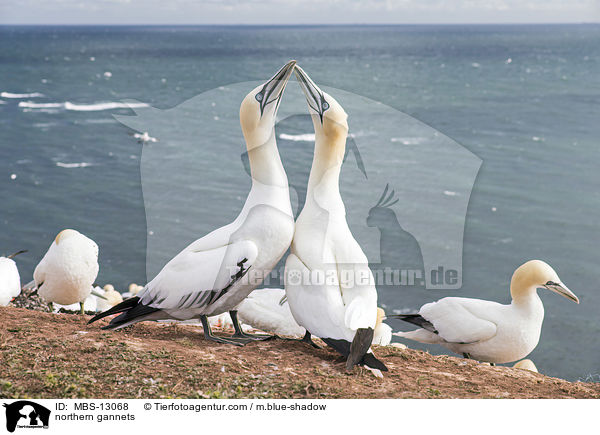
(22, 251)
(272, 90)
(314, 96)
(561, 289)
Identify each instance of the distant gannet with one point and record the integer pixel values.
(111, 297)
(10, 281)
(526, 364)
(485, 330)
(144, 138)
(68, 270)
(382, 334)
(340, 306)
(215, 273)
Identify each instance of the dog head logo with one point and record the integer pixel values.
(26, 414)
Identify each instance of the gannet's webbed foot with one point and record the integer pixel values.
(466, 355)
(493, 364)
(51, 306)
(209, 336)
(240, 335)
(307, 339)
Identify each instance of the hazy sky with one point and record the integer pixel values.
(296, 11)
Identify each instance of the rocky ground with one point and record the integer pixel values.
(47, 355)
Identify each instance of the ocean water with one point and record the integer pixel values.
(520, 101)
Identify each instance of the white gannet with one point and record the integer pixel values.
(10, 281)
(215, 273)
(382, 334)
(329, 286)
(110, 298)
(486, 330)
(526, 364)
(68, 270)
(263, 310)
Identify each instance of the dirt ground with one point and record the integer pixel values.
(46, 355)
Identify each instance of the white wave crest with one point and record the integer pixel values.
(30, 95)
(307, 137)
(73, 165)
(102, 106)
(95, 107)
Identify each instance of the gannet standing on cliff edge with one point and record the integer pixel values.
(67, 272)
(215, 273)
(486, 330)
(341, 313)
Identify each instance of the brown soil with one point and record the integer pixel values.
(59, 356)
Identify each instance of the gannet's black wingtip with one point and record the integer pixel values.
(415, 319)
(371, 361)
(119, 308)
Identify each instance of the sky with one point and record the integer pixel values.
(297, 11)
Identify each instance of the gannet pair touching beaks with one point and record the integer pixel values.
(486, 330)
(215, 273)
(67, 272)
(10, 281)
(340, 306)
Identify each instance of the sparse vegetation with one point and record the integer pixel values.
(59, 356)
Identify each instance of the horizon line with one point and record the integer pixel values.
(507, 23)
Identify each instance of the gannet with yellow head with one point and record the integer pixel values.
(341, 308)
(67, 272)
(486, 330)
(215, 273)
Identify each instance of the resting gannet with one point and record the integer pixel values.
(10, 281)
(341, 313)
(382, 334)
(215, 273)
(486, 330)
(264, 309)
(526, 364)
(68, 270)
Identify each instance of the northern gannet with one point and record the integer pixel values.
(215, 273)
(382, 334)
(263, 310)
(68, 270)
(10, 281)
(486, 330)
(340, 307)
(111, 298)
(526, 364)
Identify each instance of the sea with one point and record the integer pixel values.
(472, 148)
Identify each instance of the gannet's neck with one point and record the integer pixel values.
(265, 163)
(523, 295)
(269, 180)
(324, 178)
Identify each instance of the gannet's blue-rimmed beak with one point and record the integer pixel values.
(314, 96)
(272, 90)
(561, 289)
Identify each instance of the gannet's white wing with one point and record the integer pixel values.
(357, 285)
(460, 320)
(196, 278)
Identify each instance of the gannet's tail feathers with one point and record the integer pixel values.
(132, 311)
(415, 319)
(359, 347)
(345, 348)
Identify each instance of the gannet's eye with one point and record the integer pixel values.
(325, 105)
(259, 97)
